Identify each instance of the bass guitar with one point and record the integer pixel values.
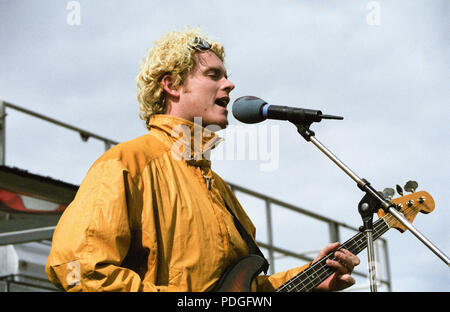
(238, 276)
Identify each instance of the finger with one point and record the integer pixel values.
(345, 261)
(347, 279)
(328, 248)
(348, 253)
(339, 267)
(347, 257)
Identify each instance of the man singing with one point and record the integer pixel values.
(151, 215)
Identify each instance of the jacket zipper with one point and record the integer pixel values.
(207, 180)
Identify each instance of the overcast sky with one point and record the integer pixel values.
(383, 65)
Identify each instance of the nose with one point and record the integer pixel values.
(228, 85)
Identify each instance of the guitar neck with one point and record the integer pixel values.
(319, 271)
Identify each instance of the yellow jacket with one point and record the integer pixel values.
(144, 219)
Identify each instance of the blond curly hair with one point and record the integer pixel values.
(172, 55)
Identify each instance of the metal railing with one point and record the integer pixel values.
(85, 135)
(333, 226)
(19, 282)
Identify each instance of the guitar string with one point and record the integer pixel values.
(324, 271)
(352, 241)
(317, 273)
(358, 240)
(388, 219)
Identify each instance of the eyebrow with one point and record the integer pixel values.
(216, 70)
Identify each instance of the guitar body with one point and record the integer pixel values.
(238, 276)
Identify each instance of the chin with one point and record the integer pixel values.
(223, 123)
(223, 126)
(217, 125)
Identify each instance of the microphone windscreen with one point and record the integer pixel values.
(247, 109)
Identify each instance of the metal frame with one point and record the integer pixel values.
(26, 281)
(333, 226)
(2, 131)
(28, 235)
(85, 135)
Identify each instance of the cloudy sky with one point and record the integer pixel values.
(383, 65)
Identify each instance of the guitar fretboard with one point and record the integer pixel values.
(316, 273)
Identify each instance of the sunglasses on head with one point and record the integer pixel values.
(200, 44)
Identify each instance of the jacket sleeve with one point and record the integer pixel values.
(93, 236)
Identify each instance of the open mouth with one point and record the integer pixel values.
(222, 101)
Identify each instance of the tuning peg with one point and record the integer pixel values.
(399, 190)
(411, 186)
(388, 193)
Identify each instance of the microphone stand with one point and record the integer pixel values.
(369, 203)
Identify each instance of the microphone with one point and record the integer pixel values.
(251, 109)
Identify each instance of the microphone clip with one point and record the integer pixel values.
(303, 127)
(305, 132)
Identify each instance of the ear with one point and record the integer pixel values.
(167, 84)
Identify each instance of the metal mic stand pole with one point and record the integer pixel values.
(367, 208)
(371, 200)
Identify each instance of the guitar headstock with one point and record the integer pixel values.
(409, 205)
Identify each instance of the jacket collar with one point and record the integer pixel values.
(190, 141)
